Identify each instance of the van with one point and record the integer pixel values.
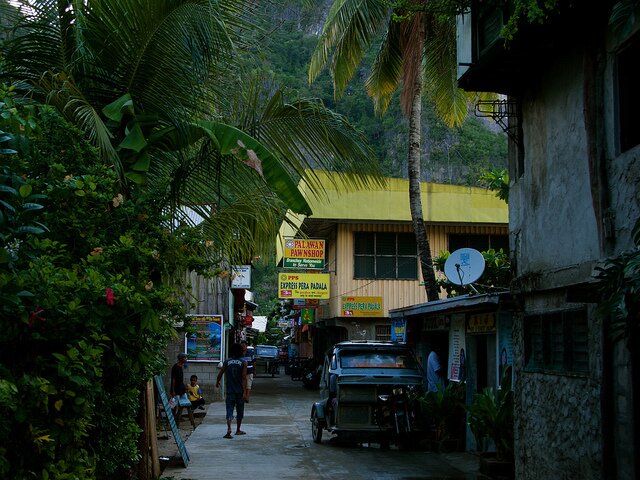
(266, 356)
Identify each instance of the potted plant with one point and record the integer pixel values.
(441, 412)
(490, 417)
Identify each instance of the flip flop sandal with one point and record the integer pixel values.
(240, 432)
(228, 435)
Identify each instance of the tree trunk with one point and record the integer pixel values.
(415, 200)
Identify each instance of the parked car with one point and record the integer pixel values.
(369, 392)
(266, 357)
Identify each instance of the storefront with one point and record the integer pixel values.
(472, 333)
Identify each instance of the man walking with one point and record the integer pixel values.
(235, 371)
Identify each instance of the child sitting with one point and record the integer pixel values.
(194, 394)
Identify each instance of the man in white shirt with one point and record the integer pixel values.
(435, 375)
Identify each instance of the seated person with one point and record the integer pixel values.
(195, 394)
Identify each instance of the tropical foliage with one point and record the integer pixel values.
(163, 99)
(132, 149)
(618, 284)
(84, 306)
(490, 416)
(441, 412)
(497, 180)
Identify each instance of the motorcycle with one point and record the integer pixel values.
(311, 377)
(396, 413)
(296, 368)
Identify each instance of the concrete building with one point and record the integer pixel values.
(572, 85)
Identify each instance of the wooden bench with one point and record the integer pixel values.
(178, 415)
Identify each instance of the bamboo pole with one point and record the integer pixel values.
(151, 429)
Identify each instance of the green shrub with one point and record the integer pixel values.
(490, 416)
(85, 301)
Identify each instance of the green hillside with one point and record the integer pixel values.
(280, 49)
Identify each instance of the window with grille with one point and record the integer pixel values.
(478, 242)
(385, 256)
(383, 333)
(557, 342)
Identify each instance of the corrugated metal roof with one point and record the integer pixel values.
(463, 302)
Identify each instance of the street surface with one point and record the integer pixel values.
(278, 445)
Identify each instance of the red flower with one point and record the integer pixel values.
(35, 316)
(111, 298)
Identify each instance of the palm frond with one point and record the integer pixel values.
(70, 102)
(387, 69)
(349, 30)
(162, 52)
(32, 45)
(230, 141)
(304, 134)
(308, 135)
(240, 214)
(451, 103)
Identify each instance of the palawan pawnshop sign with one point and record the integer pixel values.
(303, 253)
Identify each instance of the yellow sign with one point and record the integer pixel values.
(361, 307)
(481, 323)
(303, 253)
(303, 285)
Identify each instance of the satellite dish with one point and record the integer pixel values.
(464, 266)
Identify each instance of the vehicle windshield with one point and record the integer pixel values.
(373, 359)
(266, 351)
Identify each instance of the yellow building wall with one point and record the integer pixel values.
(395, 293)
(346, 201)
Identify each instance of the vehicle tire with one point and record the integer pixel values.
(406, 443)
(316, 427)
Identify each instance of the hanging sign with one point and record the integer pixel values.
(481, 323)
(284, 322)
(399, 330)
(307, 316)
(457, 355)
(241, 276)
(361, 307)
(505, 346)
(303, 285)
(299, 303)
(205, 344)
(303, 253)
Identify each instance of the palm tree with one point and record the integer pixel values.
(418, 50)
(155, 85)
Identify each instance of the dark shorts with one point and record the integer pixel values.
(235, 400)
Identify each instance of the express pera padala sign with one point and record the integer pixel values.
(303, 285)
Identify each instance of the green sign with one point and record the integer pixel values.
(303, 253)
